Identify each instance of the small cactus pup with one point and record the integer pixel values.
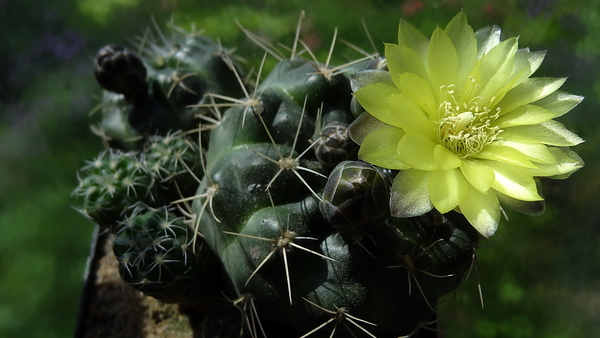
(162, 89)
(151, 111)
(159, 255)
(116, 181)
(121, 71)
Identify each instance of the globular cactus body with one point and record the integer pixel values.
(159, 255)
(270, 208)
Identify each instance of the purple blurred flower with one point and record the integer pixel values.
(63, 46)
(537, 7)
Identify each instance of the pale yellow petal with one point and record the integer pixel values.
(534, 151)
(379, 148)
(498, 152)
(549, 132)
(482, 210)
(368, 77)
(401, 59)
(480, 176)
(498, 58)
(531, 208)
(514, 181)
(560, 102)
(463, 39)
(447, 188)
(412, 38)
(496, 67)
(567, 162)
(363, 125)
(445, 159)
(442, 60)
(374, 99)
(525, 115)
(409, 195)
(487, 38)
(530, 90)
(526, 63)
(407, 115)
(419, 90)
(523, 65)
(417, 152)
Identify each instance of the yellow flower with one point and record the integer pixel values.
(460, 117)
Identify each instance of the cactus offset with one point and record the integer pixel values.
(158, 255)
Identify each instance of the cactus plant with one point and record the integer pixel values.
(263, 213)
(159, 255)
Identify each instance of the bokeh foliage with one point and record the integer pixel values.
(540, 276)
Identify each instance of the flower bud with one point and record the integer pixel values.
(121, 71)
(356, 197)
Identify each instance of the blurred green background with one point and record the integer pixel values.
(540, 275)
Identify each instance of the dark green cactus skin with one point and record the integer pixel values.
(269, 214)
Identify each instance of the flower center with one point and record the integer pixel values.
(465, 129)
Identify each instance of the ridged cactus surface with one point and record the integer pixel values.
(251, 202)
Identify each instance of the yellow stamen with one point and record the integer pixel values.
(465, 129)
